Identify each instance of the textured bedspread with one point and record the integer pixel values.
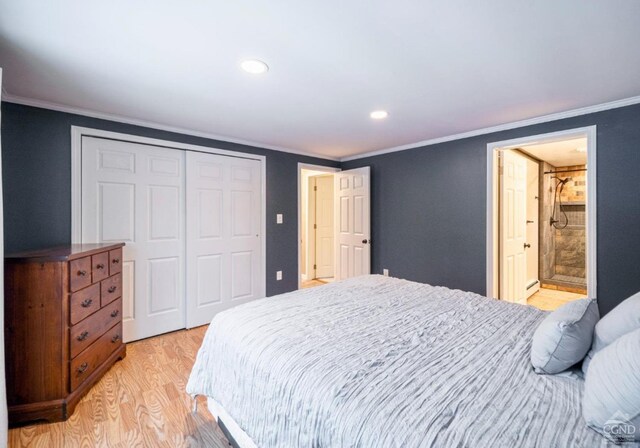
(381, 362)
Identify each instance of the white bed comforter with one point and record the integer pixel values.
(381, 362)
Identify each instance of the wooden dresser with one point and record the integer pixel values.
(63, 327)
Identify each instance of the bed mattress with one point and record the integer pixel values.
(381, 362)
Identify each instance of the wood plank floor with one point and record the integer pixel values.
(312, 283)
(550, 299)
(140, 402)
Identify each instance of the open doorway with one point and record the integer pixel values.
(316, 224)
(542, 219)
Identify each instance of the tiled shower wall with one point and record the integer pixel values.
(571, 241)
(563, 251)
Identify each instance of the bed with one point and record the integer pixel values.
(375, 361)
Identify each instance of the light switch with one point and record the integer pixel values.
(278, 275)
(279, 218)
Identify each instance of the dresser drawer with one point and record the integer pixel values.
(94, 326)
(83, 365)
(111, 289)
(115, 261)
(80, 273)
(84, 303)
(100, 266)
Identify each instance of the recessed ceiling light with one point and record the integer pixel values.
(379, 114)
(254, 66)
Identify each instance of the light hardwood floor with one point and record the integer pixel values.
(550, 299)
(312, 283)
(140, 402)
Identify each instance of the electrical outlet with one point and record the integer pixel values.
(385, 272)
(279, 275)
(279, 218)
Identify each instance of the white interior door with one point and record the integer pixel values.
(513, 208)
(352, 223)
(134, 193)
(224, 241)
(532, 283)
(324, 227)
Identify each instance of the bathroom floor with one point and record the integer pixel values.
(551, 299)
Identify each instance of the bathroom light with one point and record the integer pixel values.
(379, 114)
(254, 66)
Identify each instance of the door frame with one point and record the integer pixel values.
(77, 132)
(306, 166)
(492, 262)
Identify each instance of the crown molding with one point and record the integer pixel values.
(6, 96)
(153, 125)
(503, 127)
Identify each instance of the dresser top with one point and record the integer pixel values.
(62, 253)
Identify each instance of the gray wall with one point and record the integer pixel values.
(429, 207)
(36, 159)
(428, 204)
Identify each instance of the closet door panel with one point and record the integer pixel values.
(135, 193)
(224, 241)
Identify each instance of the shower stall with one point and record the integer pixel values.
(562, 225)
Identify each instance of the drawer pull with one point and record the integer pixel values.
(82, 273)
(83, 367)
(111, 289)
(115, 261)
(86, 303)
(83, 336)
(100, 266)
(115, 313)
(115, 339)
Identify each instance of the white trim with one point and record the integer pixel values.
(590, 133)
(78, 132)
(306, 166)
(502, 127)
(153, 125)
(488, 130)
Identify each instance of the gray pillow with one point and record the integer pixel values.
(611, 403)
(623, 319)
(563, 338)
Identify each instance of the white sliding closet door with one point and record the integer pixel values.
(135, 193)
(224, 242)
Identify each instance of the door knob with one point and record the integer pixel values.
(366, 241)
(526, 245)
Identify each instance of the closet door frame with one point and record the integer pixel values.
(77, 132)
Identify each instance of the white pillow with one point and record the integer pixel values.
(563, 338)
(611, 403)
(623, 319)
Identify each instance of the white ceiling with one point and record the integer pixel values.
(438, 67)
(559, 154)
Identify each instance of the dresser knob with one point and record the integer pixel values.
(115, 313)
(87, 303)
(115, 261)
(115, 339)
(100, 266)
(83, 336)
(82, 273)
(83, 367)
(111, 289)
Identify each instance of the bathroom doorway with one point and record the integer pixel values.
(542, 238)
(316, 226)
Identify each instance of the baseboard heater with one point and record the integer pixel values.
(532, 284)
